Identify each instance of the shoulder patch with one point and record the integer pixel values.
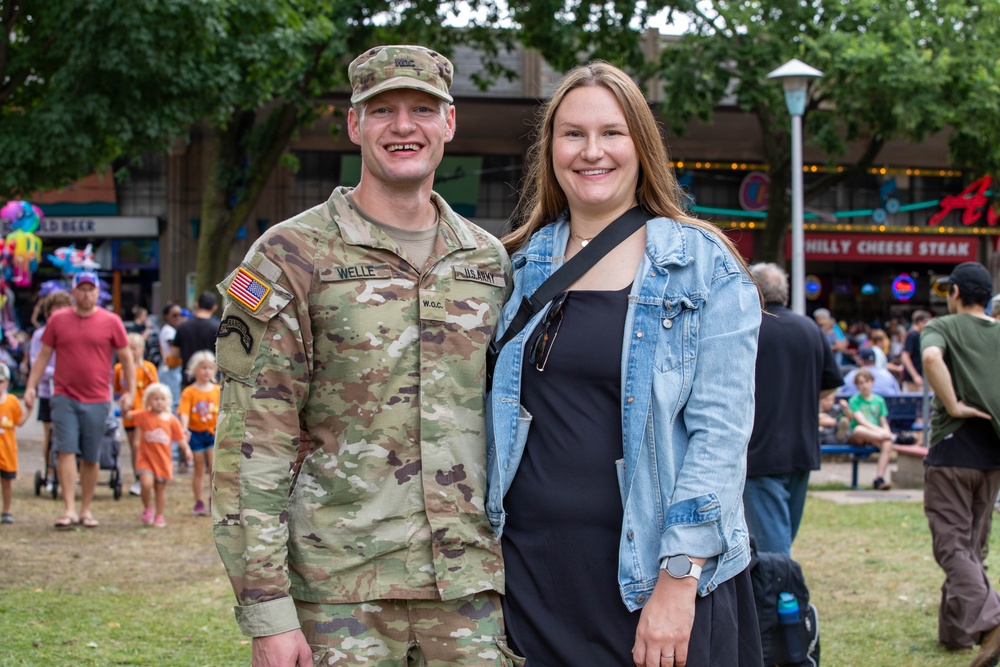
(248, 289)
(233, 325)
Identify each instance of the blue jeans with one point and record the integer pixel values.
(774, 505)
(172, 378)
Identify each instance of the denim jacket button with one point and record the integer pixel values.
(667, 323)
(641, 599)
(638, 334)
(630, 535)
(629, 399)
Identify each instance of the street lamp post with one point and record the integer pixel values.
(794, 76)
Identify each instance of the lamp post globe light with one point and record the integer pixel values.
(794, 76)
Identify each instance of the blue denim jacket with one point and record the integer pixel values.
(687, 402)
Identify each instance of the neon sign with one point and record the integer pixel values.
(971, 201)
(754, 191)
(904, 287)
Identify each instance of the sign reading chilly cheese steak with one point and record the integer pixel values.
(888, 248)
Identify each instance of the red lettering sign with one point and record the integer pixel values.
(887, 248)
(971, 201)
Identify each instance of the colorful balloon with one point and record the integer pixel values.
(21, 249)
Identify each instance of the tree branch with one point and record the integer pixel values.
(832, 179)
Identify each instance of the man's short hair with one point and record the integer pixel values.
(206, 300)
(919, 316)
(822, 315)
(772, 281)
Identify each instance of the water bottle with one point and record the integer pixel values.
(788, 616)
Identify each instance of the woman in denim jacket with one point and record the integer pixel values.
(637, 385)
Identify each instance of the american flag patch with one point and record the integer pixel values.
(247, 289)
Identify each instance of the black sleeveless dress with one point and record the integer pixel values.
(564, 511)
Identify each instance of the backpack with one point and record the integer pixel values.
(771, 575)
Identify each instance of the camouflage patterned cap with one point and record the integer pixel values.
(383, 68)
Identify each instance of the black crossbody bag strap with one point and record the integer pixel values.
(611, 236)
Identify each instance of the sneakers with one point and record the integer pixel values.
(7, 517)
(147, 516)
(135, 489)
(881, 485)
(160, 522)
(48, 486)
(199, 509)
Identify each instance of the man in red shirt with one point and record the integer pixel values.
(85, 337)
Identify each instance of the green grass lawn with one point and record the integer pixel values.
(190, 625)
(161, 598)
(873, 579)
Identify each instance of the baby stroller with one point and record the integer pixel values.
(110, 449)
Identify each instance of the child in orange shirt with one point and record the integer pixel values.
(198, 411)
(155, 429)
(145, 375)
(11, 415)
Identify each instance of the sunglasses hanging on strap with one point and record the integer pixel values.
(611, 236)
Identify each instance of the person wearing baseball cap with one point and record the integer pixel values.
(86, 277)
(352, 348)
(85, 337)
(885, 382)
(962, 467)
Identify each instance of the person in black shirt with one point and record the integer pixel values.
(197, 333)
(913, 379)
(795, 368)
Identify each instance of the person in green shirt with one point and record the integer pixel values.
(870, 424)
(962, 467)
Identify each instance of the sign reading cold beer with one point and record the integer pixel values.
(887, 248)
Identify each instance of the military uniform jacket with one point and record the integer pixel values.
(350, 451)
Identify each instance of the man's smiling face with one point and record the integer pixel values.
(402, 134)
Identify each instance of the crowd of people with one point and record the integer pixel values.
(83, 399)
(419, 460)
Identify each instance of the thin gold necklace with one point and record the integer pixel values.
(584, 240)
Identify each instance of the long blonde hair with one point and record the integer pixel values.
(657, 190)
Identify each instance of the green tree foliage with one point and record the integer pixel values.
(893, 70)
(82, 83)
(280, 57)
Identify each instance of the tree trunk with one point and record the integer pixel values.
(777, 149)
(235, 182)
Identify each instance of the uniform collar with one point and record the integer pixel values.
(454, 229)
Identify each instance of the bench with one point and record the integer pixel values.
(904, 417)
(858, 453)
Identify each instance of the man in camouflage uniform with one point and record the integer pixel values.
(349, 473)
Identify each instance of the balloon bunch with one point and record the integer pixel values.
(69, 260)
(21, 248)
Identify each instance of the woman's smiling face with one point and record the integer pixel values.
(593, 156)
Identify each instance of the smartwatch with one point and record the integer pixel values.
(679, 567)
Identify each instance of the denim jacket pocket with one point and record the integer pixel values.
(680, 330)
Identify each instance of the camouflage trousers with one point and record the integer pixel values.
(467, 632)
